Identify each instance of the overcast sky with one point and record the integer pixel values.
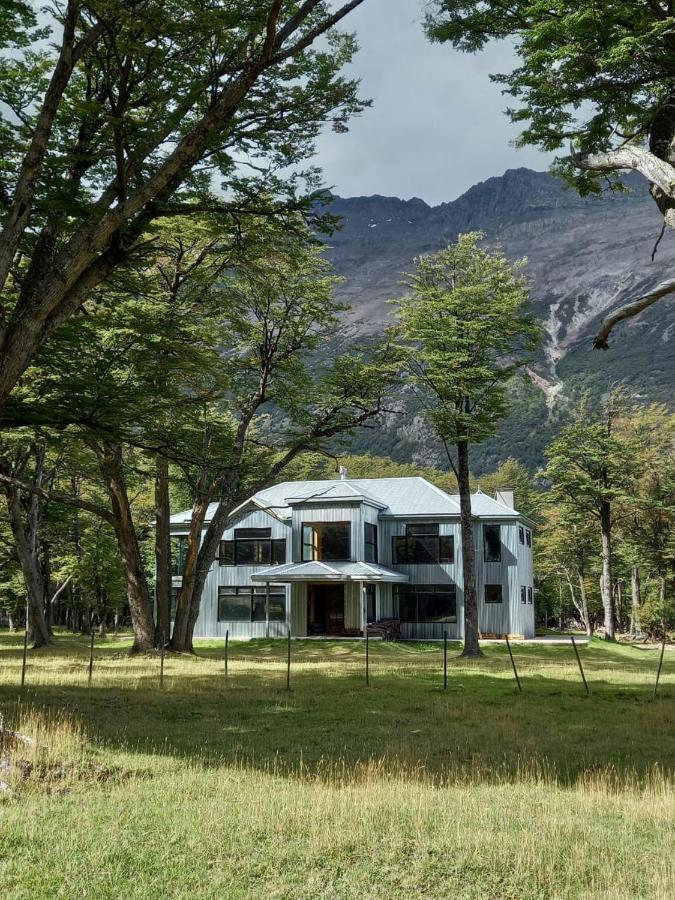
(437, 125)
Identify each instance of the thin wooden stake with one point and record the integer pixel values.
(658, 672)
(161, 663)
(513, 663)
(91, 656)
(581, 668)
(288, 661)
(367, 658)
(25, 651)
(445, 660)
(227, 638)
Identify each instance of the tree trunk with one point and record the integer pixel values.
(606, 577)
(181, 639)
(471, 642)
(102, 624)
(162, 551)
(636, 603)
(10, 622)
(585, 617)
(32, 574)
(138, 595)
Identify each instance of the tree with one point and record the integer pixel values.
(129, 117)
(598, 77)
(593, 470)
(465, 328)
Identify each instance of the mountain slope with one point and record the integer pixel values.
(585, 257)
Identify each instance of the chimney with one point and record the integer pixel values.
(506, 497)
(343, 473)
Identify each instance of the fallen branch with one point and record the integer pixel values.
(634, 308)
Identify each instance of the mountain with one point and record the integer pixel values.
(586, 255)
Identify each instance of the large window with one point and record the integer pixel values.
(493, 593)
(370, 542)
(326, 541)
(492, 542)
(371, 611)
(422, 544)
(426, 602)
(179, 547)
(247, 604)
(253, 547)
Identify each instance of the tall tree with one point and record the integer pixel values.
(597, 76)
(466, 329)
(128, 116)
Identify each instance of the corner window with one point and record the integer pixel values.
(370, 542)
(423, 545)
(523, 598)
(278, 552)
(528, 535)
(493, 593)
(529, 595)
(492, 543)
(247, 604)
(326, 541)
(430, 603)
(521, 534)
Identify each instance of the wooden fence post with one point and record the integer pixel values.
(581, 668)
(658, 671)
(227, 638)
(367, 658)
(288, 661)
(513, 663)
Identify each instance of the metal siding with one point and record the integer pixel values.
(525, 579)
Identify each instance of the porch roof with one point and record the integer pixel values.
(328, 571)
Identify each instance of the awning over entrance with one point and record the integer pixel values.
(328, 571)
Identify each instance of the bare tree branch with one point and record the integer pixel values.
(631, 309)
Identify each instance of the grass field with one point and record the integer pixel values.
(335, 789)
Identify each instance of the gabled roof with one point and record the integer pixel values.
(328, 571)
(404, 497)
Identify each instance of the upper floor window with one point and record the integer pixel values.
(253, 547)
(521, 534)
(370, 543)
(422, 544)
(326, 541)
(492, 543)
(426, 602)
(529, 595)
(523, 598)
(528, 535)
(179, 547)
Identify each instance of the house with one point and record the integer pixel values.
(325, 557)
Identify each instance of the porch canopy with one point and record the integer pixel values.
(315, 571)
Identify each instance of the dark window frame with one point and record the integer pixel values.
(501, 593)
(370, 541)
(523, 594)
(521, 535)
(528, 537)
(371, 603)
(317, 526)
(411, 593)
(255, 596)
(408, 549)
(530, 593)
(229, 553)
(487, 544)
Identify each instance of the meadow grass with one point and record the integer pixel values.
(336, 789)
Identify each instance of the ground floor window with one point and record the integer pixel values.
(371, 611)
(247, 604)
(493, 593)
(426, 602)
(523, 598)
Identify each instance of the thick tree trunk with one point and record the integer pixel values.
(606, 577)
(181, 639)
(162, 551)
(138, 595)
(636, 603)
(32, 574)
(471, 641)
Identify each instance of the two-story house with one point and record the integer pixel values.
(327, 557)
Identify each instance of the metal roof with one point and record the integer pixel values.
(328, 571)
(404, 497)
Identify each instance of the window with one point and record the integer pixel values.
(326, 541)
(493, 593)
(521, 534)
(371, 612)
(528, 534)
(252, 547)
(422, 544)
(179, 547)
(492, 542)
(247, 604)
(529, 595)
(523, 598)
(370, 543)
(426, 602)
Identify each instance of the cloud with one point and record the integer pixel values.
(437, 125)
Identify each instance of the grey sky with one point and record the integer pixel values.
(437, 125)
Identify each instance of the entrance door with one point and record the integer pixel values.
(325, 608)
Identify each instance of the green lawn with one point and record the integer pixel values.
(336, 789)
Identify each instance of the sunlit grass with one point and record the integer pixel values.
(336, 789)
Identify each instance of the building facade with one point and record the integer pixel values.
(328, 557)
